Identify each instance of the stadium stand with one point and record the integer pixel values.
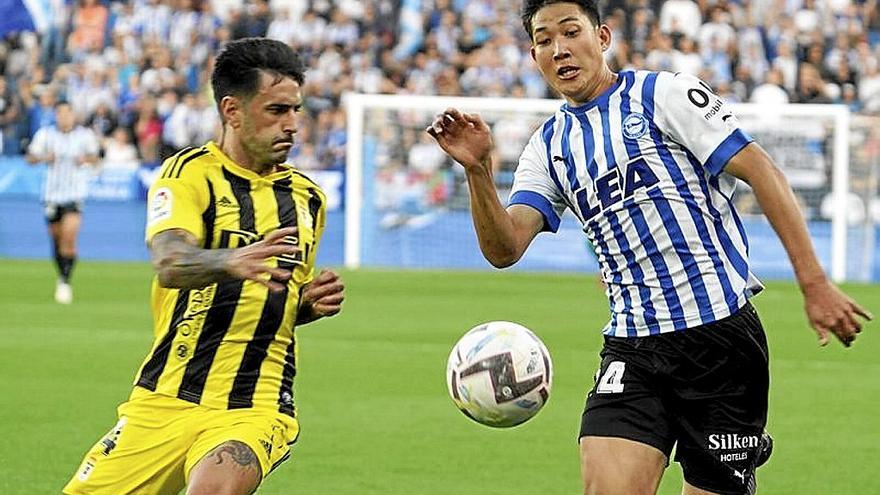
(142, 65)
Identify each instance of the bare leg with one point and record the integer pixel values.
(68, 230)
(55, 237)
(230, 469)
(617, 466)
(689, 489)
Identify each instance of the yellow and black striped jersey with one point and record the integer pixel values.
(230, 344)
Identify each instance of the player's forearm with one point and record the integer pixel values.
(778, 202)
(33, 159)
(90, 160)
(181, 265)
(495, 228)
(193, 268)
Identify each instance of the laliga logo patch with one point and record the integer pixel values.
(635, 125)
(160, 205)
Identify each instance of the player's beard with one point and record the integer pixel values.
(263, 152)
(279, 156)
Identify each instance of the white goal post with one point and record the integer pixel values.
(814, 141)
(356, 105)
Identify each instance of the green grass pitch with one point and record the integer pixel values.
(371, 388)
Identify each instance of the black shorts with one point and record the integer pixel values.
(54, 212)
(704, 388)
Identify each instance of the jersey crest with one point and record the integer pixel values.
(635, 125)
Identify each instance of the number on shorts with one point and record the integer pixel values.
(612, 381)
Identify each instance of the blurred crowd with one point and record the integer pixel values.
(138, 71)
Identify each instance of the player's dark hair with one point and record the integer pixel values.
(531, 7)
(238, 66)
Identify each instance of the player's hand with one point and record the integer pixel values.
(323, 296)
(831, 311)
(463, 136)
(253, 262)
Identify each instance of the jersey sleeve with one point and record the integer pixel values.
(695, 117)
(533, 186)
(177, 202)
(39, 145)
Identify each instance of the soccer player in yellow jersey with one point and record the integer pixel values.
(233, 233)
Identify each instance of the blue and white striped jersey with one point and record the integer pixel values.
(641, 167)
(66, 180)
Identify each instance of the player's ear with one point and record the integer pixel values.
(532, 53)
(230, 111)
(604, 36)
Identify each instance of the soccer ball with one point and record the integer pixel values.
(499, 374)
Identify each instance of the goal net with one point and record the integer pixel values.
(406, 202)
(863, 214)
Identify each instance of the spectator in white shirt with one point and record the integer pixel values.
(770, 92)
(869, 89)
(681, 16)
(687, 59)
(787, 64)
(718, 29)
(119, 152)
(663, 56)
(282, 27)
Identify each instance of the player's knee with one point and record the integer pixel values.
(594, 485)
(67, 245)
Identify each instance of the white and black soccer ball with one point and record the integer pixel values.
(499, 374)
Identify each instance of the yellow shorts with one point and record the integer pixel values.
(159, 439)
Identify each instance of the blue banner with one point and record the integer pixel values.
(18, 179)
(21, 180)
(15, 16)
(114, 215)
(114, 218)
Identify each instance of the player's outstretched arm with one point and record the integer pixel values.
(321, 297)
(503, 234)
(38, 150)
(828, 309)
(35, 159)
(181, 264)
(90, 159)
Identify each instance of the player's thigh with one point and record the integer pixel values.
(70, 223)
(237, 449)
(133, 458)
(618, 466)
(723, 407)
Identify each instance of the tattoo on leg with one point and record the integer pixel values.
(239, 452)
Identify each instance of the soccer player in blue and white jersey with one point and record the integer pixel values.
(70, 151)
(647, 162)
